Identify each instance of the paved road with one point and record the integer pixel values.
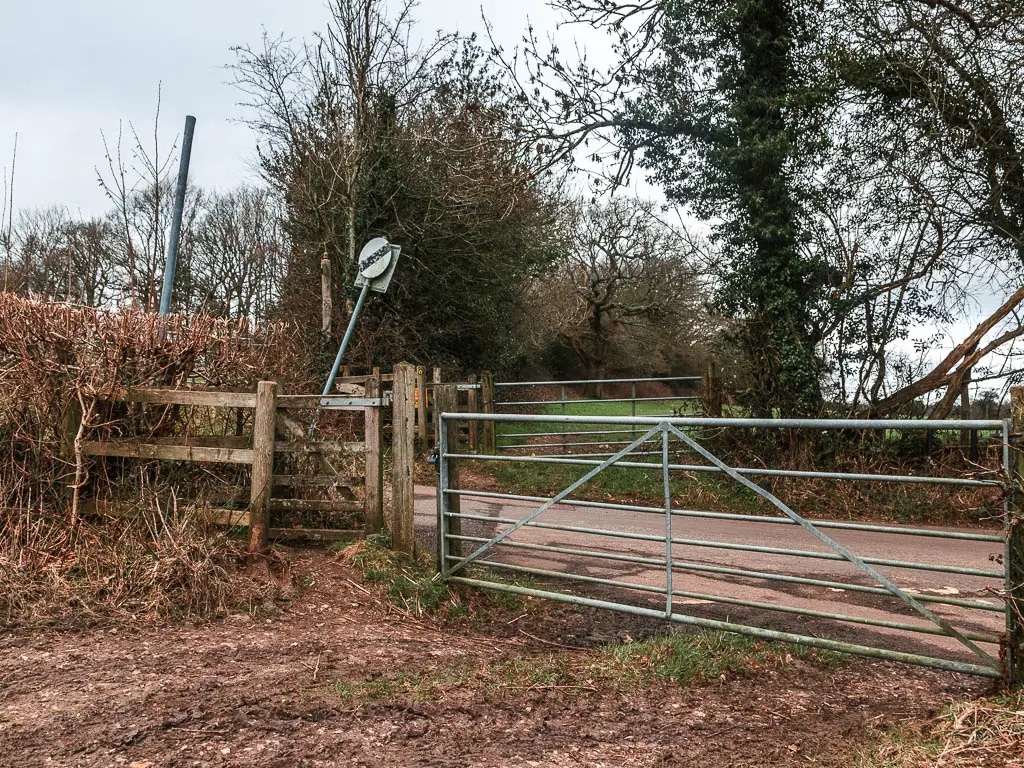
(968, 554)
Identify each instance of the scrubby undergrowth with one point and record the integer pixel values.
(160, 564)
(969, 734)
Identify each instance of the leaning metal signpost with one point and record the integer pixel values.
(377, 262)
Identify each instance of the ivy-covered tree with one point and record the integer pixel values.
(709, 97)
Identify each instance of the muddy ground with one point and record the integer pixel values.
(253, 690)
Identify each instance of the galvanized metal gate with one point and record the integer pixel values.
(991, 643)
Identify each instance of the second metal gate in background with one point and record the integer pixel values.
(976, 625)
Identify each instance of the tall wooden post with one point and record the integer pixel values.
(712, 394)
(262, 466)
(373, 495)
(403, 448)
(435, 379)
(421, 410)
(965, 413)
(488, 435)
(326, 305)
(446, 400)
(473, 399)
(1014, 555)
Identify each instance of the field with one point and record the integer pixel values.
(903, 503)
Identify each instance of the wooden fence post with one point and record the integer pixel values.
(431, 438)
(421, 409)
(712, 394)
(488, 434)
(262, 466)
(446, 399)
(325, 300)
(1014, 556)
(473, 398)
(403, 448)
(373, 496)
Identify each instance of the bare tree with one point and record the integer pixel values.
(930, 110)
(238, 255)
(7, 211)
(320, 111)
(625, 290)
(140, 190)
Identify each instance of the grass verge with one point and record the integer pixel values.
(682, 658)
(814, 498)
(413, 584)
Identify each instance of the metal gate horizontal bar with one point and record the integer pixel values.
(727, 545)
(987, 537)
(683, 566)
(510, 435)
(510, 403)
(748, 471)
(972, 604)
(810, 554)
(766, 634)
(604, 455)
(592, 381)
(687, 421)
(846, 618)
(567, 444)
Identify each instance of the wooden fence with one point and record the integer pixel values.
(276, 442)
(293, 475)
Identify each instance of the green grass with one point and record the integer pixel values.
(613, 483)
(681, 658)
(414, 585)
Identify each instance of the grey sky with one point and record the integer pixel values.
(71, 68)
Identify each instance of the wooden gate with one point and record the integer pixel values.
(323, 489)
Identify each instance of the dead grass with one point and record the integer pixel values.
(969, 734)
(158, 564)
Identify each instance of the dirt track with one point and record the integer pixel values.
(257, 692)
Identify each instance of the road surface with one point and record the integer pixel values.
(960, 553)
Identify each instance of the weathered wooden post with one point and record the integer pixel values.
(488, 435)
(435, 379)
(1014, 556)
(403, 448)
(712, 394)
(446, 400)
(373, 496)
(421, 410)
(473, 400)
(262, 466)
(326, 307)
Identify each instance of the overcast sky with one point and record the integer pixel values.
(71, 68)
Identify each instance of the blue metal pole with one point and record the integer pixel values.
(344, 342)
(179, 209)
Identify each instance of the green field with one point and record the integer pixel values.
(614, 483)
(713, 491)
